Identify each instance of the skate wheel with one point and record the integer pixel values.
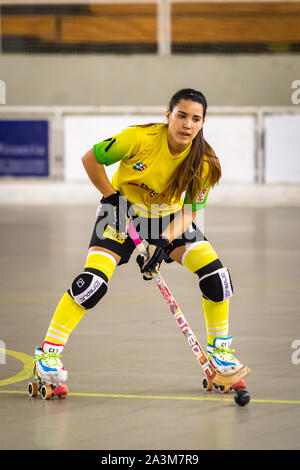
(46, 392)
(207, 384)
(224, 388)
(33, 389)
(61, 391)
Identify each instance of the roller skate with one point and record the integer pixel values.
(48, 372)
(225, 364)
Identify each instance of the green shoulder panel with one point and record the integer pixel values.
(118, 147)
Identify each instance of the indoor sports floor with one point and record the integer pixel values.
(133, 381)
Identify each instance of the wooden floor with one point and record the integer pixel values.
(134, 383)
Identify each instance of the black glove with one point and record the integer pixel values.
(156, 252)
(118, 210)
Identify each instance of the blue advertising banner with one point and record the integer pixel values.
(24, 148)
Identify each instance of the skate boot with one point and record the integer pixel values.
(49, 372)
(223, 360)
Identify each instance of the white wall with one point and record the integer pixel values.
(233, 139)
(282, 151)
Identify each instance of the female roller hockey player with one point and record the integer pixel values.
(158, 163)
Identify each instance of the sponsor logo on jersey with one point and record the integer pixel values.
(151, 191)
(140, 166)
(201, 196)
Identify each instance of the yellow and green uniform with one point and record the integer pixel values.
(146, 166)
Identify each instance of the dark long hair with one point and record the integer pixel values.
(189, 174)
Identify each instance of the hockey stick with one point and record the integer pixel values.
(212, 375)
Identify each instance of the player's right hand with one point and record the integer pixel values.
(118, 210)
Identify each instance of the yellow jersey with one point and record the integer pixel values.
(146, 165)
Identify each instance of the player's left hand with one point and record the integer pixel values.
(156, 252)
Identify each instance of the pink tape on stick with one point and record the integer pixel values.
(134, 235)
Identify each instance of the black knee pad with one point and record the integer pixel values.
(87, 289)
(217, 285)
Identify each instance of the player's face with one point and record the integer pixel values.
(185, 121)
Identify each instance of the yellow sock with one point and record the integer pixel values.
(68, 313)
(216, 314)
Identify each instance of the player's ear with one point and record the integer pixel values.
(168, 113)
